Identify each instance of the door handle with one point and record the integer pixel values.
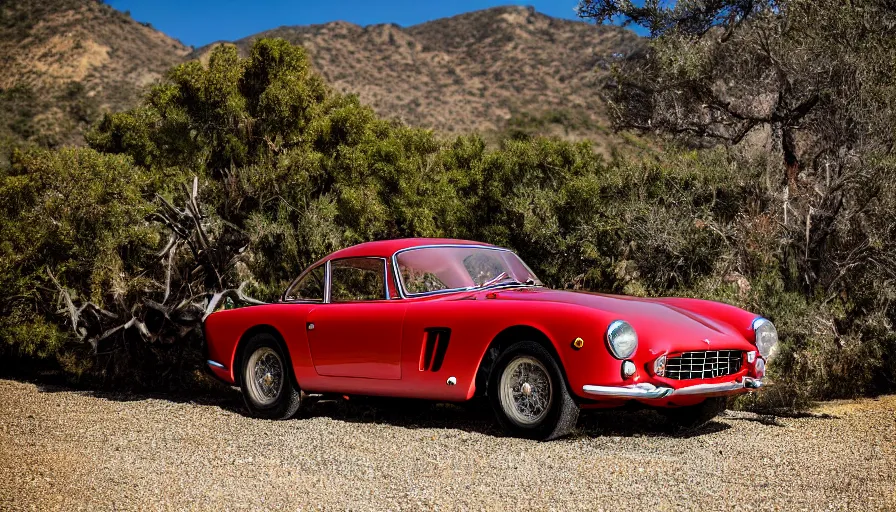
(310, 326)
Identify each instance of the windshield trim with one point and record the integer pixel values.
(400, 280)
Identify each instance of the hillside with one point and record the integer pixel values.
(65, 61)
(506, 70)
(495, 69)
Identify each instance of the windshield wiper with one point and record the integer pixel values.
(493, 280)
(499, 280)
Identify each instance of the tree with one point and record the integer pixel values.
(816, 77)
(718, 70)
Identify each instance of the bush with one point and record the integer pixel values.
(288, 171)
(75, 215)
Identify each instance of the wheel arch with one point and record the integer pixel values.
(241, 345)
(506, 338)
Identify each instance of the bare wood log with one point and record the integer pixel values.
(168, 271)
(186, 299)
(67, 298)
(231, 293)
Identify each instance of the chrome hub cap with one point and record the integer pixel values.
(264, 376)
(526, 392)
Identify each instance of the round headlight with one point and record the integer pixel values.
(622, 339)
(766, 338)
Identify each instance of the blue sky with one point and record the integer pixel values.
(199, 22)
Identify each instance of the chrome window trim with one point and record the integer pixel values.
(298, 279)
(329, 278)
(400, 280)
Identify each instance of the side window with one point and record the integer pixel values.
(355, 279)
(311, 287)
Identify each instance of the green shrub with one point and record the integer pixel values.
(76, 215)
(289, 171)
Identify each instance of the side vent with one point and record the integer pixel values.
(435, 344)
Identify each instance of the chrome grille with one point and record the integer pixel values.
(704, 365)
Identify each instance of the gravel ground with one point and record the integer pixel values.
(69, 450)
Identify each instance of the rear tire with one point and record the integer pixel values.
(693, 417)
(528, 394)
(267, 381)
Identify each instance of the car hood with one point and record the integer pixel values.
(652, 318)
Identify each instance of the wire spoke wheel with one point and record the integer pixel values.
(526, 392)
(265, 376)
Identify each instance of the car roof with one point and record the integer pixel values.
(386, 248)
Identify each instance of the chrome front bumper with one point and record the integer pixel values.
(649, 391)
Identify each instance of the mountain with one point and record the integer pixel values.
(64, 61)
(504, 68)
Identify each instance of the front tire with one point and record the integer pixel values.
(693, 417)
(266, 380)
(528, 393)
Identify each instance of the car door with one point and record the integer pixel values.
(357, 331)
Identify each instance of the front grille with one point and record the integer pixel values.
(704, 365)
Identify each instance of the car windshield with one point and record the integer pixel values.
(432, 269)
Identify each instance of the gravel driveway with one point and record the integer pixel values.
(69, 450)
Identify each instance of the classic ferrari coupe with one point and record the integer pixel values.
(453, 320)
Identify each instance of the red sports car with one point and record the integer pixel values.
(451, 320)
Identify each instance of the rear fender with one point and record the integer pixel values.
(226, 331)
